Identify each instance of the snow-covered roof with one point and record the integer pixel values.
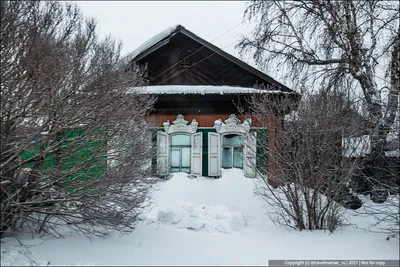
(153, 40)
(163, 38)
(202, 90)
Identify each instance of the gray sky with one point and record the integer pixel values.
(134, 22)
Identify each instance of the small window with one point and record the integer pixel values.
(232, 151)
(180, 153)
(185, 58)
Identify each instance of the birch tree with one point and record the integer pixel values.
(335, 44)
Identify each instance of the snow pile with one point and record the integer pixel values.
(232, 189)
(189, 215)
(204, 204)
(200, 90)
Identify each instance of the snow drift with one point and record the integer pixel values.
(192, 216)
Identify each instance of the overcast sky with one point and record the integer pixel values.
(134, 22)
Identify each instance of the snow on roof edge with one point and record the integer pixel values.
(152, 41)
(201, 90)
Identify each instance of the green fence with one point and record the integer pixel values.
(82, 153)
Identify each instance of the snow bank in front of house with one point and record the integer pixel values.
(232, 190)
(200, 90)
(193, 216)
(178, 199)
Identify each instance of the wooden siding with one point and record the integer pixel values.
(204, 120)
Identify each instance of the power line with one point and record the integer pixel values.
(197, 50)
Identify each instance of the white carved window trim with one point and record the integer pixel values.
(232, 125)
(180, 125)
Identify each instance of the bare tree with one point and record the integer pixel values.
(64, 102)
(334, 44)
(311, 182)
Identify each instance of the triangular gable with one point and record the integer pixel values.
(163, 38)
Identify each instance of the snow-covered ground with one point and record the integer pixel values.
(204, 221)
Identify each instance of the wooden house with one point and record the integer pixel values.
(198, 85)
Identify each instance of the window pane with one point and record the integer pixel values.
(185, 157)
(181, 140)
(175, 151)
(232, 140)
(227, 157)
(238, 157)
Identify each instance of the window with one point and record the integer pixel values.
(180, 140)
(232, 151)
(232, 140)
(180, 153)
(185, 60)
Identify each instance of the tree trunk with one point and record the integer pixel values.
(378, 177)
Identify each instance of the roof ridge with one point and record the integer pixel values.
(162, 38)
(168, 32)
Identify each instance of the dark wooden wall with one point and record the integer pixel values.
(199, 104)
(208, 68)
